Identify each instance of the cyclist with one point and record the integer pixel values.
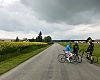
(90, 50)
(75, 48)
(68, 51)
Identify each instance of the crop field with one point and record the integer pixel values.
(11, 49)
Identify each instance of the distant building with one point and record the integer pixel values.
(97, 41)
(7, 40)
(1, 40)
(79, 41)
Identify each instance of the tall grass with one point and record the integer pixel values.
(12, 49)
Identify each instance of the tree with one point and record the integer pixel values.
(47, 39)
(32, 39)
(40, 34)
(39, 37)
(37, 40)
(17, 39)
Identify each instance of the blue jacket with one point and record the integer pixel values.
(68, 48)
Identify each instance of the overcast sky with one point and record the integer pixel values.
(61, 19)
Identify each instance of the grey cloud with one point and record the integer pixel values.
(67, 11)
(13, 18)
(53, 17)
(7, 22)
(26, 22)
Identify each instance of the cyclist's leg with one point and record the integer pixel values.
(91, 58)
(88, 55)
(67, 56)
(77, 55)
(66, 53)
(91, 55)
(71, 57)
(71, 54)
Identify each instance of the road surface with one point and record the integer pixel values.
(46, 67)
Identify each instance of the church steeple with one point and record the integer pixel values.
(40, 33)
(39, 37)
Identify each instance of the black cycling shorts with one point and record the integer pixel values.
(75, 52)
(90, 53)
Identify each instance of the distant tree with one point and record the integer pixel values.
(39, 37)
(47, 39)
(17, 39)
(40, 34)
(89, 38)
(32, 39)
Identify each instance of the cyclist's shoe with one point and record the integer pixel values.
(91, 62)
(68, 59)
(88, 58)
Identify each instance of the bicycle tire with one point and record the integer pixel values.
(95, 59)
(81, 53)
(80, 59)
(61, 58)
(71, 59)
(76, 59)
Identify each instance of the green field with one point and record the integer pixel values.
(83, 46)
(14, 53)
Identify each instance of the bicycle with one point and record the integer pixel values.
(88, 57)
(74, 59)
(91, 59)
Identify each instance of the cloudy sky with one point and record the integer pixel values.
(61, 19)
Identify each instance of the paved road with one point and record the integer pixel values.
(46, 67)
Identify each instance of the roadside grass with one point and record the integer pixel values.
(83, 46)
(15, 61)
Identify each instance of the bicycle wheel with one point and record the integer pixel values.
(80, 55)
(61, 58)
(95, 59)
(79, 59)
(76, 59)
(71, 59)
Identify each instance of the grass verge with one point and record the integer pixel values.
(15, 61)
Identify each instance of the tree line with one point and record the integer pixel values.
(39, 38)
